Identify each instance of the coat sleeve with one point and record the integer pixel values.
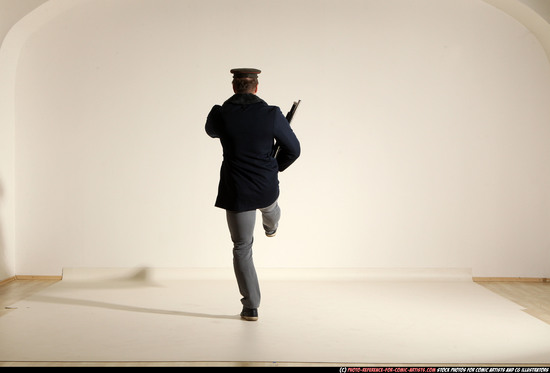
(213, 121)
(287, 140)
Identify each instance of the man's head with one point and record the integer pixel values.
(245, 80)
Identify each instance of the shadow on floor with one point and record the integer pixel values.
(121, 307)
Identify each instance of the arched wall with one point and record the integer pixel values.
(533, 14)
(424, 129)
(16, 27)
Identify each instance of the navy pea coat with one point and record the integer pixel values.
(247, 128)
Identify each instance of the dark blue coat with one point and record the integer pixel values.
(247, 128)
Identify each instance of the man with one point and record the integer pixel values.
(247, 128)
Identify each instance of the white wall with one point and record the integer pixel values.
(11, 11)
(542, 7)
(533, 14)
(424, 125)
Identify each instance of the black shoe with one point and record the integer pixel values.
(249, 314)
(270, 233)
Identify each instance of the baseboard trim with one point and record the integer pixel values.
(510, 279)
(30, 277)
(9, 279)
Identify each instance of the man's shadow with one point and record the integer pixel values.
(138, 279)
(122, 307)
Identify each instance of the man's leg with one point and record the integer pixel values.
(270, 218)
(241, 227)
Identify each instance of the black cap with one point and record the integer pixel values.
(245, 73)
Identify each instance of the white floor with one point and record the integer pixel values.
(315, 316)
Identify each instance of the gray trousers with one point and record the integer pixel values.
(241, 226)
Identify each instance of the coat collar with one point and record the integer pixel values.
(244, 99)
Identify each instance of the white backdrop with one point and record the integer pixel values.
(425, 129)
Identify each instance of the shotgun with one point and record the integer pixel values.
(289, 117)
